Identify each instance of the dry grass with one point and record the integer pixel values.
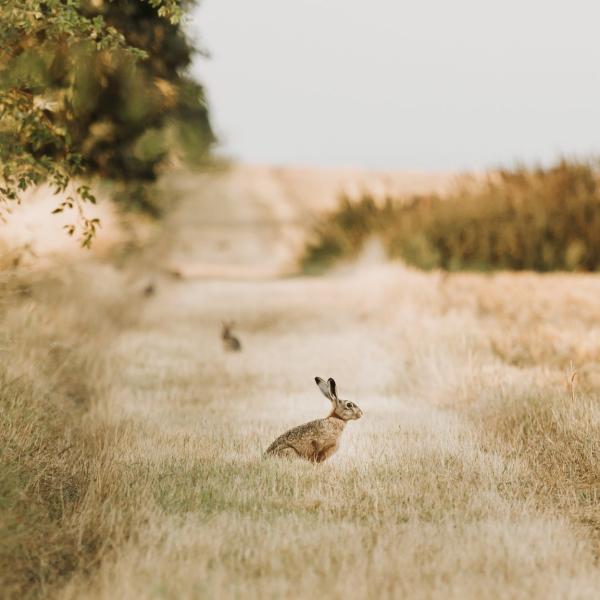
(467, 477)
(61, 494)
(531, 219)
(132, 444)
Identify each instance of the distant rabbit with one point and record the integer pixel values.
(149, 289)
(318, 440)
(230, 342)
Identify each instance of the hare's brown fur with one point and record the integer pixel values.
(230, 342)
(317, 440)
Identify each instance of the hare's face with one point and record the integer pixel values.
(346, 410)
(343, 409)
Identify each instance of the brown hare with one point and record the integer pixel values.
(230, 342)
(149, 290)
(318, 440)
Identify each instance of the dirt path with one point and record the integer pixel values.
(232, 242)
(250, 223)
(226, 230)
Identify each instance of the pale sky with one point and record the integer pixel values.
(395, 84)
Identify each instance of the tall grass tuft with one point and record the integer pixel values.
(541, 219)
(64, 499)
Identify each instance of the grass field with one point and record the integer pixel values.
(132, 461)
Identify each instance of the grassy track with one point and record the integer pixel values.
(474, 472)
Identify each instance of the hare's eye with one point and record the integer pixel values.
(348, 404)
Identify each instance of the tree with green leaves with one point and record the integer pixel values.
(95, 88)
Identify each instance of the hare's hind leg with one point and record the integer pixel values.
(287, 452)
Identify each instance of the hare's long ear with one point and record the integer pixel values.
(332, 388)
(324, 387)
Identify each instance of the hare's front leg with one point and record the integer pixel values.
(317, 448)
(326, 452)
